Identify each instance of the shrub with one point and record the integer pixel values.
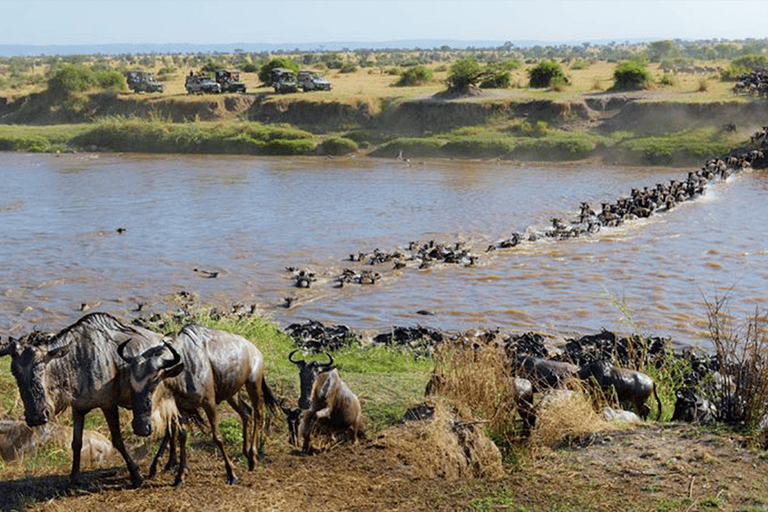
(545, 74)
(265, 73)
(249, 68)
(752, 61)
(464, 73)
(348, 68)
(631, 76)
(667, 79)
(496, 79)
(76, 78)
(703, 85)
(417, 75)
(337, 146)
(733, 73)
(742, 393)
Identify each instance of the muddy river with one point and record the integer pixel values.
(109, 232)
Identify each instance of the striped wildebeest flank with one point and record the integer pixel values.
(199, 368)
(325, 400)
(79, 367)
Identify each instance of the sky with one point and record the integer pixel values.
(62, 22)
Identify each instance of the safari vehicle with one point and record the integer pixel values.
(313, 82)
(229, 80)
(143, 81)
(199, 84)
(284, 81)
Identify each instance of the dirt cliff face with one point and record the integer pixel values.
(409, 118)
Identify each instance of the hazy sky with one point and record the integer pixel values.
(44, 22)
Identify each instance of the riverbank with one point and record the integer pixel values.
(573, 461)
(620, 129)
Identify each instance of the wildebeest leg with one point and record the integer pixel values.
(78, 419)
(210, 411)
(170, 433)
(182, 436)
(172, 454)
(257, 426)
(113, 420)
(308, 420)
(244, 411)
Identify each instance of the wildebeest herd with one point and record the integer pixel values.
(641, 203)
(100, 362)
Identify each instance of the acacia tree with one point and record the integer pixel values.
(464, 73)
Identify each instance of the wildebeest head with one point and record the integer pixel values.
(308, 372)
(29, 361)
(147, 371)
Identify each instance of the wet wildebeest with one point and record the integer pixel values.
(630, 385)
(201, 367)
(544, 373)
(78, 367)
(326, 400)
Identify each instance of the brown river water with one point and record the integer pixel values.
(249, 218)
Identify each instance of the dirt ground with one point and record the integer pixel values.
(647, 468)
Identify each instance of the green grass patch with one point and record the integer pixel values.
(136, 135)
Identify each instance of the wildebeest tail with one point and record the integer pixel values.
(269, 397)
(658, 402)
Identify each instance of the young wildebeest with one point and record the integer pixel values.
(630, 385)
(201, 367)
(329, 403)
(78, 367)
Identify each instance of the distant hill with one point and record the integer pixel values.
(23, 50)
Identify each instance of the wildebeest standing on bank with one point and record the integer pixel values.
(326, 400)
(630, 385)
(201, 367)
(78, 367)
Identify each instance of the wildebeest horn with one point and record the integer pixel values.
(121, 350)
(290, 357)
(176, 357)
(330, 360)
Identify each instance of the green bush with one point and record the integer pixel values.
(249, 68)
(546, 74)
(265, 73)
(464, 73)
(348, 68)
(417, 75)
(751, 61)
(631, 76)
(337, 146)
(496, 80)
(76, 78)
(733, 72)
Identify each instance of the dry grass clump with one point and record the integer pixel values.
(567, 415)
(480, 377)
(742, 355)
(452, 445)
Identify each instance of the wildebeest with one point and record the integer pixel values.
(78, 367)
(326, 400)
(544, 373)
(630, 385)
(199, 368)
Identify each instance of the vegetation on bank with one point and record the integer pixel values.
(517, 141)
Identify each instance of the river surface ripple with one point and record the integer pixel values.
(249, 218)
